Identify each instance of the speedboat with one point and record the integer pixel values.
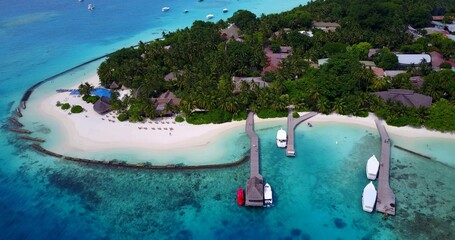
(210, 16)
(267, 195)
(185, 11)
(225, 10)
(240, 196)
(372, 168)
(165, 9)
(281, 138)
(90, 7)
(369, 197)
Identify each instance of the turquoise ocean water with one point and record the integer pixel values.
(316, 195)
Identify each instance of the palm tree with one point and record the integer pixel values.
(85, 88)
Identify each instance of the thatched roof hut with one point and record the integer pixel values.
(166, 98)
(114, 85)
(102, 106)
(406, 97)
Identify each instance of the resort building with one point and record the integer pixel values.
(413, 59)
(250, 80)
(173, 75)
(102, 106)
(326, 26)
(393, 73)
(274, 59)
(379, 72)
(405, 97)
(307, 33)
(114, 86)
(436, 60)
(372, 52)
(164, 101)
(232, 33)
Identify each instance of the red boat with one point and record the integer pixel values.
(240, 197)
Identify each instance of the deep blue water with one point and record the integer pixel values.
(317, 194)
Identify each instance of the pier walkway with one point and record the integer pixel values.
(385, 202)
(254, 185)
(292, 123)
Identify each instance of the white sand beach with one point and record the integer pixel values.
(88, 131)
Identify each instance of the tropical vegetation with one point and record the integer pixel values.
(206, 62)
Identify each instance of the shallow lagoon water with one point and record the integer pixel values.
(317, 194)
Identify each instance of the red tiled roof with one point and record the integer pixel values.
(436, 59)
(379, 72)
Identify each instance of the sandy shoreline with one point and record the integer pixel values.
(90, 132)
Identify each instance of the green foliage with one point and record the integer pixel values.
(76, 109)
(122, 117)
(65, 106)
(295, 114)
(179, 119)
(238, 116)
(439, 85)
(275, 47)
(442, 116)
(92, 99)
(360, 50)
(245, 20)
(384, 58)
(445, 65)
(215, 116)
(402, 81)
(270, 113)
(85, 88)
(332, 48)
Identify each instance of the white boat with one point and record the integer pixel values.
(225, 10)
(369, 197)
(210, 16)
(281, 138)
(165, 9)
(185, 11)
(90, 7)
(372, 168)
(268, 195)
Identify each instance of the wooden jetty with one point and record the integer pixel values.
(15, 122)
(32, 139)
(20, 130)
(292, 123)
(385, 201)
(254, 185)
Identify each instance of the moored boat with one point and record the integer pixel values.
(90, 7)
(369, 197)
(209, 16)
(281, 138)
(165, 9)
(372, 168)
(268, 199)
(225, 10)
(185, 11)
(240, 196)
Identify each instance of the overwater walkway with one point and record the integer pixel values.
(385, 202)
(292, 123)
(254, 185)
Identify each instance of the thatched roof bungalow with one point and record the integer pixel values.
(250, 80)
(102, 106)
(406, 97)
(167, 98)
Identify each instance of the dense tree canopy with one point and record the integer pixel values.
(204, 63)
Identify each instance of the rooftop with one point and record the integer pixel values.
(405, 97)
(102, 106)
(409, 59)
